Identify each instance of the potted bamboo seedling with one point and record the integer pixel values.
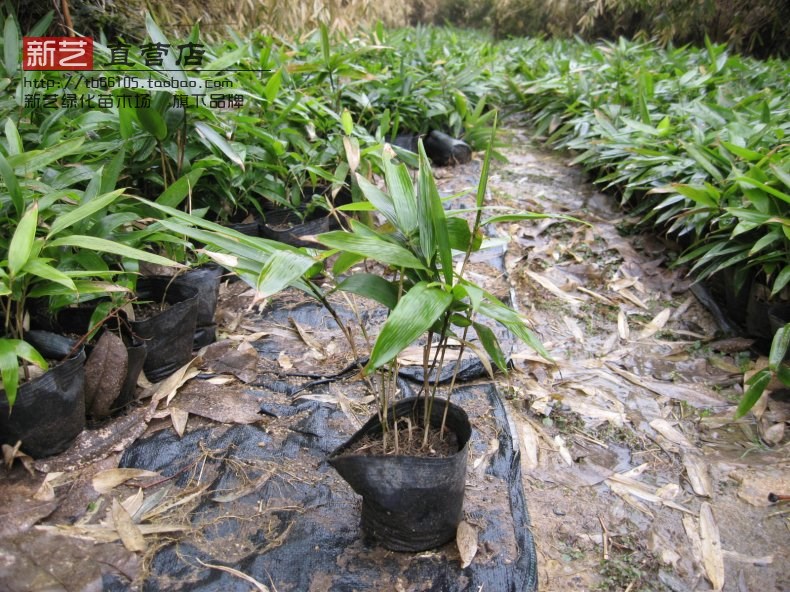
(413, 494)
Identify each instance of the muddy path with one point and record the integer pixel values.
(636, 477)
(631, 459)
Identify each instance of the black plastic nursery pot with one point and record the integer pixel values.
(206, 281)
(168, 335)
(49, 411)
(408, 503)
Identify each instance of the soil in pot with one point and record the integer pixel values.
(409, 503)
(165, 320)
(49, 411)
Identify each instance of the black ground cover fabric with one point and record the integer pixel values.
(275, 510)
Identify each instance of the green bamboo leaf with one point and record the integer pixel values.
(493, 309)
(178, 190)
(345, 261)
(781, 280)
(11, 46)
(281, 270)
(757, 384)
(35, 160)
(111, 172)
(744, 153)
(491, 345)
(779, 345)
(783, 176)
(371, 286)
(440, 240)
(102, 245)
(152, 122)
(750, 182)
(83, 211)
(372, 247)
(697, 154)
(168, 60)
(41, 27)
(10, 352)
(12, 184)
(401, 191)
(415, 313)
(21, 247)
(700, 195)
(381, 201)
(347, 122)
(14, 139)
(214, 138)
(41, 268)
(273, 85)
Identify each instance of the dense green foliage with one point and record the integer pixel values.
(693, 140)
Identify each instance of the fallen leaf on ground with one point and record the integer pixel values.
(466, 539)
(712, 558)
(179, 418)
(529, 439)
(663, 427)
(285, 361)
(697, 473)
(106, 481)
(258, 586)
(130, 534)
(656, 324)
(622, 325)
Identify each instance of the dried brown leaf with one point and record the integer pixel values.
(656, 324)
(622, 325)
(663, 427)
(712, 557)
(466, 540)
(129, 533)
(551, 287)
(179, 418)
(530, 442)
(285, 361)
(697, 473)
(106, 481)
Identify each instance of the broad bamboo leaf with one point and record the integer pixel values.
(493, 309)
(401, 190)
(12, 184)
(83, 211)
(42, 269)
(415, 313)
(491, 345)
(757, 384)
(214, 138)
(440, 240)
(10, 351)
(749, 181)
(178, 190)
(13, 138)
(11, 46)
(106, 246)
(779, 345)
(35, 160)
(381, 201)
(152, 122)
(372, 247)
(281, 270)
(371, 286)
(781, 280)
(21, 247)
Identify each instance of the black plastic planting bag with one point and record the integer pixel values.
(168, 335)
(206, 281)
(409, 503)
(444, 150)
(49, 412)
(274, 509)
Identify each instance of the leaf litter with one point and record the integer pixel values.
(628, 446)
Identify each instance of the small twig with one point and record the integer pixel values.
(605, 539)
(235, 572)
